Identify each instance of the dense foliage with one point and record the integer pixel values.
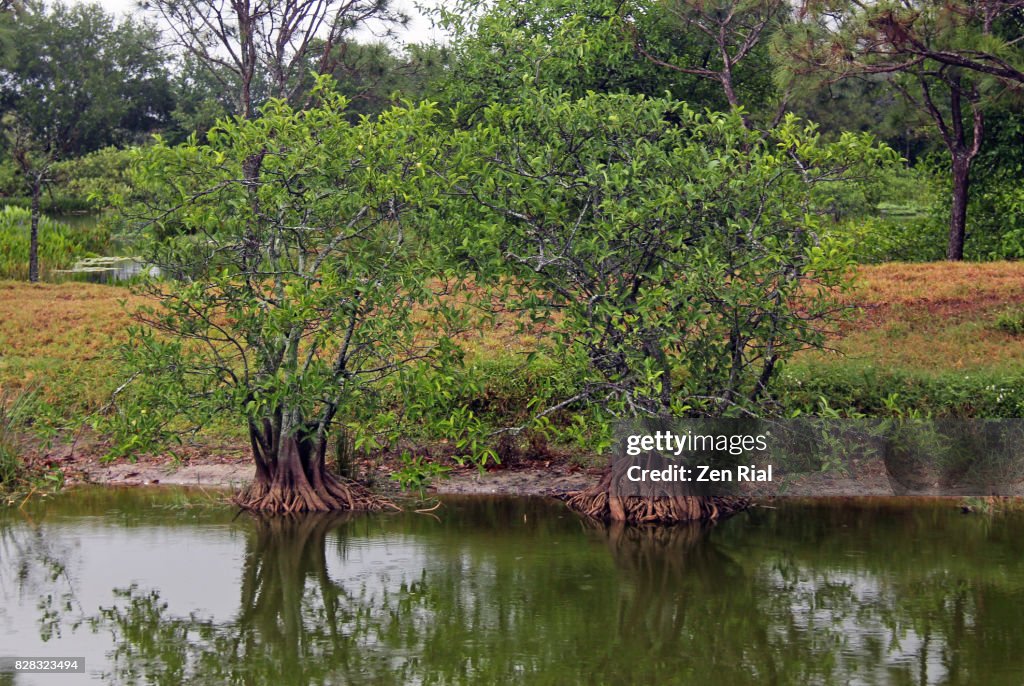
(290, 288)
(637, 185)
(680, 256)
(869, 68)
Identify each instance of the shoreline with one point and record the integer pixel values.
(228, 472)
(228, 466)
(547, 479)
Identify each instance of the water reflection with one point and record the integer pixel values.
(295, 625)
(519, 591)
(107, 270)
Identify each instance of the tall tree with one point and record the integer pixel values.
(374, 76)
(509, 48)
(77, 81)
(948, 59)
(997, 180)
(713, 55)
(200, 99)
(248, 45)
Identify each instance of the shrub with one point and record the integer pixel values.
(13, 416)
(891, 218)
(897, 235)
(679, 250)
(855, 389)
(1011, 322)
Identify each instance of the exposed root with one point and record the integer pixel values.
(328, 493)
(637, 510)
(600, 503)
(429, 509)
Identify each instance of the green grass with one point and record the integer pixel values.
(18, 476)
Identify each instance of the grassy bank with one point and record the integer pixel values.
(61, 340)
(937, 338)
(942, 339)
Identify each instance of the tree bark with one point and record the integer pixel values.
(246, 54)
(958, 210)
(33, 242)
(961, 150)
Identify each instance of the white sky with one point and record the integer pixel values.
(418, 30)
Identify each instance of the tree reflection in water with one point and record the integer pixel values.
(295, 625)
(504, 594)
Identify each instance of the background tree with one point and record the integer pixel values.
(375, 76)
(864, 105)
(79, 81)
(200, 99)
(997, 197)
(291, 292)
(249, 46)
(950, 60)
(723, 41)
(980, 35)
(711, 55)
(504, 49)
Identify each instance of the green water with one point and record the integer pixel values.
(510, 591)
(79, 220)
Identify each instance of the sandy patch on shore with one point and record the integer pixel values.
(232, 471)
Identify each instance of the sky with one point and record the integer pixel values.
(419, 29)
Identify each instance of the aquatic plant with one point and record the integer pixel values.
(59, 247)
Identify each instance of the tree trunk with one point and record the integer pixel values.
(961, 150)
(958, 212)
(246, 59)
(33, 241)
(296, 479)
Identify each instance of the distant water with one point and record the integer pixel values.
(107, 269)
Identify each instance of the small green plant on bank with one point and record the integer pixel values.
(416, 472)
(1011, 322)
(10, 465)
(16, 477)
(863, 388)
(990, 505)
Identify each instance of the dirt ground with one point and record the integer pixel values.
(230, 467)
(516, 481)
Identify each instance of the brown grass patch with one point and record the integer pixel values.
(61, 338)
(932, 317)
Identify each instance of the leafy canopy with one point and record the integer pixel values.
(291, 288)
(79, 80)
(677, 255)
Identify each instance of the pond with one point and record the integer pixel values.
(113, 268)
(105, 270)
(165, 587)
